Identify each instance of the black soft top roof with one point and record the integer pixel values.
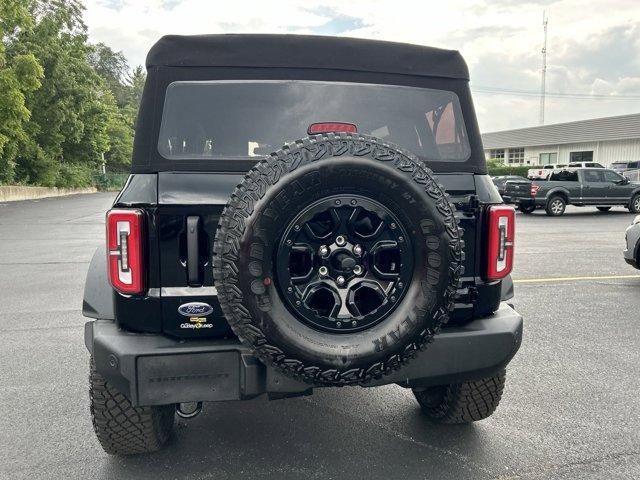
(306, 51)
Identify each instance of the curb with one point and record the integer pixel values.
(15, 193)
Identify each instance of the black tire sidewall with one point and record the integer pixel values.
(325, 178)
(527, 210)
(283, 340)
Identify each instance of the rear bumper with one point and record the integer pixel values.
(156, 370)
(528, 201)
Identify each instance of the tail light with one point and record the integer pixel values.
(534, 190)
(124, 249)
(336, 127)
(502, 229)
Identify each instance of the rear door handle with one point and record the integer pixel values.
(193, 253)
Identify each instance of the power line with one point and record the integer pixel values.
(481, 89)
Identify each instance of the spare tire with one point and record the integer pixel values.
(337, 259)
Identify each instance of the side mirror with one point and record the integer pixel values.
(624, 181)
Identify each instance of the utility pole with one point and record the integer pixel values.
(543, 79)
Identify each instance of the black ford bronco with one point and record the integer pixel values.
(302, 212)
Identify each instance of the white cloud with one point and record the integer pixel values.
(593, 47)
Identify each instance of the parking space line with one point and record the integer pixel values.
(573, 279)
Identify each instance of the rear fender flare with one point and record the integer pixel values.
(98, 293)
(559, 191)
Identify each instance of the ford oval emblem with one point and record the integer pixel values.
(194, 309)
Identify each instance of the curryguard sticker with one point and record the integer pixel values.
(195, 309)
(195, 323)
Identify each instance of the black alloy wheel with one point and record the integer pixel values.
(345, 262)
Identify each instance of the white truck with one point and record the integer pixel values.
(542, 172)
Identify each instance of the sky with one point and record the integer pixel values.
(593, 47)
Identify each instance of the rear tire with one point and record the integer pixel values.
(634, 206)
(527, 209)
(121, 428)
(462, 402)
(604, 209)
(556, 206)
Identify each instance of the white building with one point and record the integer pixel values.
(602, 140)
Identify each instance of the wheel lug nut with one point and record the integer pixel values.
(354, 324)
(340, 280)
(323, 271)
(323, 251)
(357, 270)
(338, 324)
(341, 241)
(357, 250)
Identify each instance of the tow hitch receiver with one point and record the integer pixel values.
(182, 413)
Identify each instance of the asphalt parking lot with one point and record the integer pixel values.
(571, 407)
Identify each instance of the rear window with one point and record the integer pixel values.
(564, 176)
(246, 119)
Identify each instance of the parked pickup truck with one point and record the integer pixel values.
(602, 188)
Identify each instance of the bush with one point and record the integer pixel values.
(74, 175)
(110, 182)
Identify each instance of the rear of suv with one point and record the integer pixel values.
(302, 212)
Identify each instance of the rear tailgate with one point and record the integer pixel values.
(517, 190)
(189, 206)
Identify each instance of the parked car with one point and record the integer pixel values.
(622, 167)
(236, 266)
(543, 171)
(584, 165)
(500, 181)
(602, 188)
(632, 239)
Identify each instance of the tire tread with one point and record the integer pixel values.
(121, 428)
(465, 402)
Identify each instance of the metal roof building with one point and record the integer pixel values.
(604, 140)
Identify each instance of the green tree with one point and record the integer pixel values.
(126, 89)
(65, 105)
(69, 113)
(19, 75)
(136, 82)
(112, 67)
